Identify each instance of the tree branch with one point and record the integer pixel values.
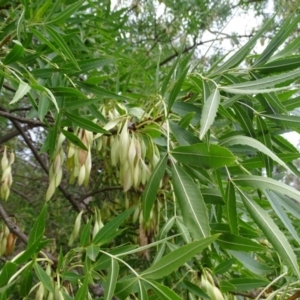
(21, 120)
(187, 49)
(66, 194)
(105, 189)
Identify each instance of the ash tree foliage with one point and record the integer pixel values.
(132, 167)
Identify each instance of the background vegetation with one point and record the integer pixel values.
(139, 160)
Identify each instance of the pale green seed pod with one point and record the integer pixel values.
(76, 229)
(114, 150)
(40, 292)
(124, 143)
(4, 160)
(51, 189)
(11, 158)
(81, 175)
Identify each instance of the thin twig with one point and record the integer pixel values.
(21, 120)
(105, 189)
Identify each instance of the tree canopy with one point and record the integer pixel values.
(136, 164)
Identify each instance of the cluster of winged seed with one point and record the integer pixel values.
(6, 179)
(55, 171)
(134, 154)
(79, 161)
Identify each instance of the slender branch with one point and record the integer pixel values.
(187, 49)
(10, 135)
(21, 194)
(66, 194)
(295, 296)
(21, 120)
(105, 189)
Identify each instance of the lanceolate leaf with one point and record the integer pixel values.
(22, 90)
(275, 202)
(163, 292)
(150, 191)
(191, 203)
(272, 232)
(111, 280)
(86, 124)
(210, 108)
(245, 140)
(44, 278)
(239, 243)
(172, 261)
(203, 155)
(231, 211)
(261, 85)
(260, 182)
(243, 52)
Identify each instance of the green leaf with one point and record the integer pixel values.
(231, 211)
(183, 108)
(14, 55)
(152, 186)
(239, 243)
(275, 202)
(85, 234)
(259, 182)
(284, 32)
(111, 280)
(26, 283)
(250, 263)
(272, 232)
(44, 278)
(22, 90)
(261, 85)
(62, 46)
(66, 13)
(67, 92)
(210, 108)
(195, 290)
(176, 88)
(74, 139)
(203, 155)
(188, 195)
(224, 266)
(183, 136)
(172, 261)
(163, 292)
(125, 286)
(246, 284)
(37, 231)
(239, 56)
(86, 124)
(108, 230)
(142, 291)
(7, 271)
(92, 252)
(281, 65)
(253, 143)
(83, 290)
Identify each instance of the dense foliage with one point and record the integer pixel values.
(132, 167)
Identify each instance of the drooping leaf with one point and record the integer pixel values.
(188, 195)
(272, 232)
(202, 155)
(150, 191)
(209, 112)
(22, 90)
(44, 277)
(86, 124)
(111, 280)
(244, 140)
(163, 292)
(239, 243)
(172, 261)
(108, 230)
(231, 210)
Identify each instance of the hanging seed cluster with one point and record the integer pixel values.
(133, 153)
(55, 172)
(79, 161)
(7, 240)
(6, 179)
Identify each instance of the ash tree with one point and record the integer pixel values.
(134, 167)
